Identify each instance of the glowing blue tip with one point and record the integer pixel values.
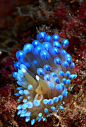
(39, 119)
(53, 74)
(40, 71)
(27, 114)
(56, 44)
(41, 36)
(64, 93)
(65, 63)
(25, 100)
(56, 79)
(64, 53)
(19, 77)
(47, 67)
(44, 118)
(14, 74)
(57, 111)
(20, 98)
(55, 37)
(47, 77)
(59, 87)
(50, 101)
(19, 83)
(68, 55)
(27, 64)
(64, 80)
(35, 62)
(16, 94)
(57, 61)
(36, 103)
(17, 65)
(60, 97)
(30, 87)
(46, 46)
(63, 102)
(24, 110)
(28, 48)
(48, 114)
(20, 54)
(33, 121)
(20, 72)
(61, 107)
(19, 106)
(24, 106)
(56, 50)
(65, 43)
(45, 101)
(26, 92)
(45, 110)
(21, 92)
(69, 59)
(28, 97)
(36, 43)
(47, 38)
(19, 112)
(27, 119)
(72, 65)
(61, 73)
(40, 114)
(53, 108)
(68, 81)
(19, 88)
(44, 54)
(37, 50)
(62, 84)
(23, 67)
(22, 115)
(51, 85)
(29, 104)
(73, 76)
(67, 73)
(55, 99)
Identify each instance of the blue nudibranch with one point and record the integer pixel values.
(44, 73)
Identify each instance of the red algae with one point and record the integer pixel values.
(19, 25)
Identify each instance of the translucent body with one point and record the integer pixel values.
(44, 74)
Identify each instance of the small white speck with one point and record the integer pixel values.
(0, 52)
(23, 70)
(37, 77)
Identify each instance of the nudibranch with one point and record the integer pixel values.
(44, 73)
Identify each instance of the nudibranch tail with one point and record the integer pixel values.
(44, 73)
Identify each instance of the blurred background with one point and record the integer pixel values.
(20, 21)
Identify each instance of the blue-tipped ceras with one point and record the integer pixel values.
(44, 73)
